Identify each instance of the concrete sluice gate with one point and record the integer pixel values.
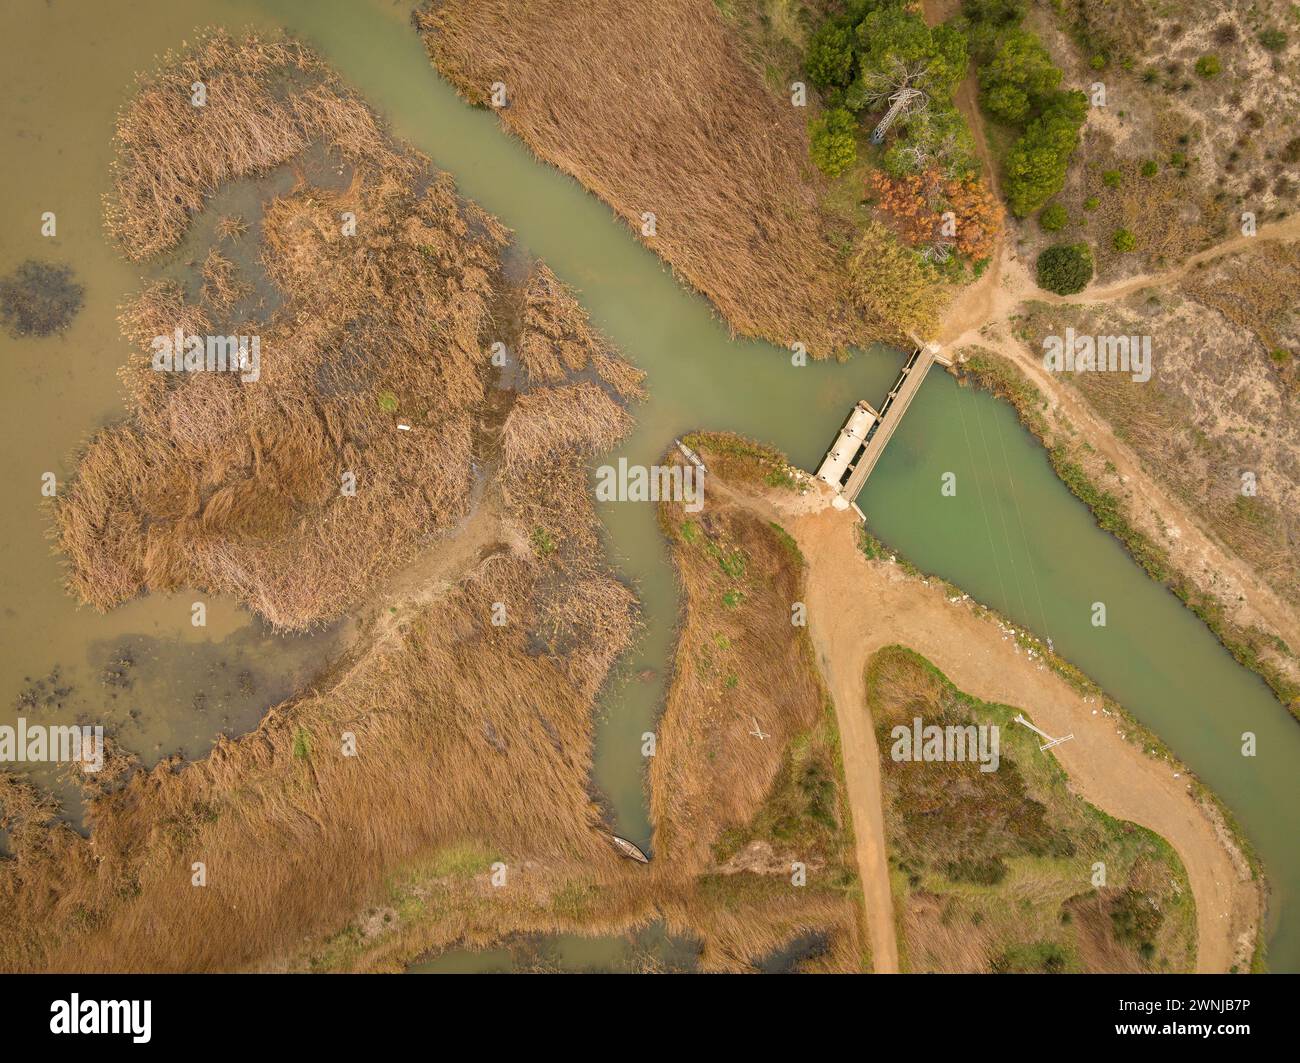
(852, 438)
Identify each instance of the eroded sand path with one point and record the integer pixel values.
(856, 607)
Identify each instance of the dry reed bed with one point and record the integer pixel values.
(239, 487)
(462, 735)
(469, 737)
(466, 734)
(653, 108)
(585, 617)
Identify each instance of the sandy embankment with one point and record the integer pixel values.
(856, 607)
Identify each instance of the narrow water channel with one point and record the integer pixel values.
(1013, 536)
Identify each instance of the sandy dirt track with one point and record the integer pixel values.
(856, 607)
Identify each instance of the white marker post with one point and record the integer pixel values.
(1050, 740)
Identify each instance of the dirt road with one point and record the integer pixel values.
(842, 669)
(856, 607)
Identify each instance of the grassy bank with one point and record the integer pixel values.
(740, 813)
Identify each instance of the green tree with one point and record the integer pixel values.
(832, 143)
(1065, 268)
(986, 20)
(1007, 103)
(1036, 164)
(893, 45)
(829, 61)
(937, 136)
(1020, 62)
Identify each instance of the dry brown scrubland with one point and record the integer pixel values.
(472, 740)
(653, 108)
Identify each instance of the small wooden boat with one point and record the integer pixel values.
(690, 456)
(629, 850)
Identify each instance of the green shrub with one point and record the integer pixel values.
(1112, 178)
(829, 61)
(1124, 240)
(1208, 66)
(1019, 79)
(1007, 103)
(1053, 218)
(1065, 268)
(1091, 203)
(832, 143)
(1135, 917)
(1273, 40)
(1150, 168)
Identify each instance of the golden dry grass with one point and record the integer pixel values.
(266, 100)
(459, 730)
(466, 736)
(739, 658)
(655, 109)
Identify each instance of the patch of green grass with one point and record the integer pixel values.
(542, 541)
(301, 744)
(787, 541)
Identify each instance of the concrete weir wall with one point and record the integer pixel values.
(852, 437)
(862, 439)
